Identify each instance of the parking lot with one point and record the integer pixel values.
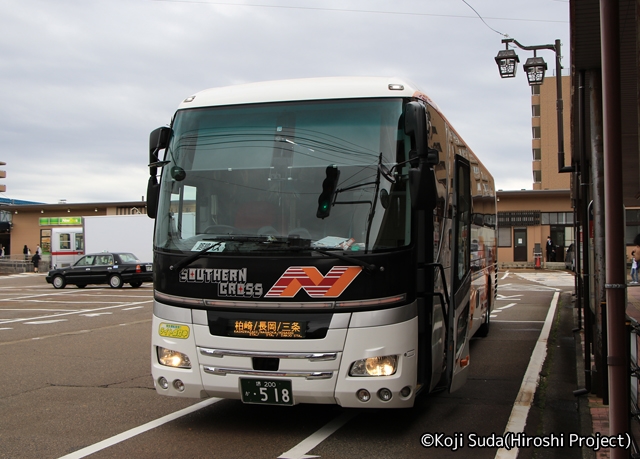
(76, 382)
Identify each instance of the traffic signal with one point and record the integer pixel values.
(329, 185)
(3, 174)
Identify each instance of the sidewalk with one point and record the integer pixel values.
(599, 411)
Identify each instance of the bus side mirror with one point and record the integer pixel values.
(153, 194)
(424, 191)
(415, 126)
(158, 140)
(422, 180)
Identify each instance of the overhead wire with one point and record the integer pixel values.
(344, 10)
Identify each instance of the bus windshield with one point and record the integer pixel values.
(252, 173)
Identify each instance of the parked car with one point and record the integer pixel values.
(570, 258)
(114, 269)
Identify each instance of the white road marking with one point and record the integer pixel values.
(6, 328)
(518, 417)
(508, 297)
(84, 452)
(131, 309)
(510, 305)
(506, 274)
(521, 321)
(45, 322)
(301, 449)
(43, 310)
(550, 278)
(79, 311)
(96, 314)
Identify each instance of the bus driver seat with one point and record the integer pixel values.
(256, 216)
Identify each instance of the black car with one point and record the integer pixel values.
(114, 269)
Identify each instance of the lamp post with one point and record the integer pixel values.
(535, 67)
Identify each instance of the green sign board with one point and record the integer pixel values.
(60, 221)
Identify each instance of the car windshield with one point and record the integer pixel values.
(258, 170)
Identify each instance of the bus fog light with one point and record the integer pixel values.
(174, 359)
(375, 366)
(162, 382)
(385, 394)
(178, 385)
(405, 391)
(363, 395)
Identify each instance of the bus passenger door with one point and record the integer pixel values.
(458, 323)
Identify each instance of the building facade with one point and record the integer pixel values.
(30, 225)
(526, 218)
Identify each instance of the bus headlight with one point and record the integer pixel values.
(174, 359)
(375, 366)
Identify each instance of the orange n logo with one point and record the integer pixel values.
(315, 284)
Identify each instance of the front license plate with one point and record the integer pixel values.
(266, 391)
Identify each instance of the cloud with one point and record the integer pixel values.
(83, 83)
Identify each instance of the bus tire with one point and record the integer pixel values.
(115, 281)
(483, 331)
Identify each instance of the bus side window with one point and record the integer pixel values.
(65, 241)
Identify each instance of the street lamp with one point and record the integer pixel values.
(507, 61)
(535, 68)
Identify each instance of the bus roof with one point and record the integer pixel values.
(304, 89)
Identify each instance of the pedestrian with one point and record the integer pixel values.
(35, 260)
(635, 256)
(550, 250)
(25, 251)
(38, 250)
(634, 268)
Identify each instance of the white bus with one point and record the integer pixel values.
(67, 246)
(317, 241)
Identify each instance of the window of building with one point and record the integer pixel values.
(632, 225)
(556, 218)
(535, 90)
(535, 111)
(504, 237)
(537, 176)
(45, 240)
(537, 154)
(536, 132)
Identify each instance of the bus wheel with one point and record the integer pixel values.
(59, 282)
(484, 328)
(115, 281)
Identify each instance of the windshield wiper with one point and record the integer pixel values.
(185, 261)
(218, 240)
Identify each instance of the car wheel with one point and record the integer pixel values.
(136, 284)
(115, 281)
(59, 282)
(81, 285)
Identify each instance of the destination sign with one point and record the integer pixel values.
(269, 329)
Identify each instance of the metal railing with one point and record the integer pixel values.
(633, 335)
(12, 264)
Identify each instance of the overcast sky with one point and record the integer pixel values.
(83, 83)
